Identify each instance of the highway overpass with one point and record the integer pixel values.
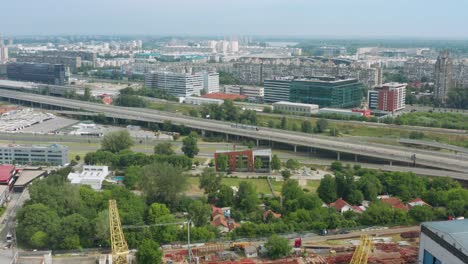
(427, 158)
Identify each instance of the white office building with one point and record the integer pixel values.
(295, 108)
(183, 84)
(54, 154)
(90, 175)
(249, 91)
(200, 100)
(444, 242)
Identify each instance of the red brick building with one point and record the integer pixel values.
(390, 97)
(244, 160)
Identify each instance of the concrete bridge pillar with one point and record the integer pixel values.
(258, 142)
(203, 132)
(391, 163)
(227, 137)
(355, 157)
(338, 156)
(295, 148)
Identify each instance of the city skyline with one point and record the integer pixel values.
(298, 18)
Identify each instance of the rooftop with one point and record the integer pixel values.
(454, 232)
(295, 104)
(26, 176)
(6, 171)
(54, 146)
(224, 96)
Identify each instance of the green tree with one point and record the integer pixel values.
(355, 197)
(421, 213)
(39, 240)
(149, 252)
(199, 212)
(258, 163)
(34, 218)
(164, 148)
(222, 162)
(87, 94)
(247, 197)
(210, 182)
(189, 145)
(156, 212)
(116, 141)
(291, 190)
(194, 112)
(306, 126)
(336, 166)
(327, 189)
(167, 126)
(77, 157)
(163, 183)
(321, 125)
(275, 163)
(277, 247)
(131, 101)
(132, 177)
(231, 112)
(286, 174)
(370, 186)
(225, 196)
(284, 123)
(292, 164)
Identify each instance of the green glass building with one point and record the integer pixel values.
(326, 92)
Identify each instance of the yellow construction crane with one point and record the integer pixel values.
(361, 254)
(119, 245)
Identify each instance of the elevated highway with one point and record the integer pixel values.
(427, 158)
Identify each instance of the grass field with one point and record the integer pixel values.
(261, 185)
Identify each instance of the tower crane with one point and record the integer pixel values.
(119, 245)
(361, 254)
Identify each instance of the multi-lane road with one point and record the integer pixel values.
(433, 159)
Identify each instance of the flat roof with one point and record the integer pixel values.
(224, 96)
(51, 146)
(27, 176)
(6, 172)
(295, 104)
(454, 232)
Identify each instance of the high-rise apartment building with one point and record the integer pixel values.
(389, 97)
(38, 72)
(211, 82)
(323, 91)
(3, 52)
(443, 77)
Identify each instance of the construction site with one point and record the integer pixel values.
(399, 248)
(379, 246)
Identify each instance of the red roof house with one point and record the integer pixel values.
(394, 202)
(6, 173)
(342, 206)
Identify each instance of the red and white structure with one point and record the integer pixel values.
(390, 97)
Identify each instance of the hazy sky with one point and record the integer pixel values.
(308, 18)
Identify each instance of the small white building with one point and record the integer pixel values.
(200, 100)
(90, 175)
(295, 108)
(339, 111)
